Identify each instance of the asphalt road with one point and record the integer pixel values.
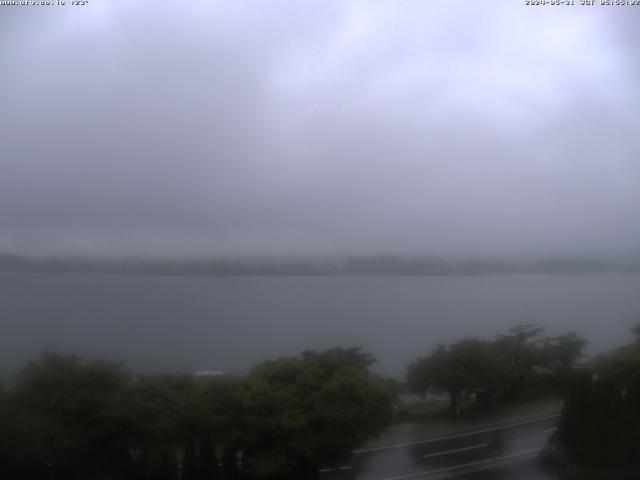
(501, 452)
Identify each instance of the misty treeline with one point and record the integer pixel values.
(67, 418)
(361, 265)
(475, 373)
(600, 423)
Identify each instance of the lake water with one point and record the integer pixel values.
(184, 324)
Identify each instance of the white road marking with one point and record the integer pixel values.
(465, 465)
(456, 450)
(550, 430)
(458, 435)
(344, 467)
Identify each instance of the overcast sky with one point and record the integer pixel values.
(275, 127)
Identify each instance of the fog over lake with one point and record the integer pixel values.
(211, 130)
(209, 185)
(185, 324)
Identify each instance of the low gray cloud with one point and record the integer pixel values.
(329, 127)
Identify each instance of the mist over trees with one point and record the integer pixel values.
(74, 419)
(66, 417)
(475, 373)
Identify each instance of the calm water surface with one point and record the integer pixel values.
(183, 324)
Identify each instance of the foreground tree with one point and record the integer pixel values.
(600, 423)
(64, 416)
(475, 373)
(462, 370)
(562, 355)
(310, 410)
(521, 358)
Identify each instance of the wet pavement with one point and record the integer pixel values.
(502, 452)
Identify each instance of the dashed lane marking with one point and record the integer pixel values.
(456, 450)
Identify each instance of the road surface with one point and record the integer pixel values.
(502, 452)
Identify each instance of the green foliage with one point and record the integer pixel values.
(563, 353)
(462, 370)
(600, 422)
(313, 408)
(521, 356)
(94, 420)
(636, 331)
(475, 373)
(66, 412)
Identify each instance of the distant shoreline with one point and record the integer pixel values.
(343, 267)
